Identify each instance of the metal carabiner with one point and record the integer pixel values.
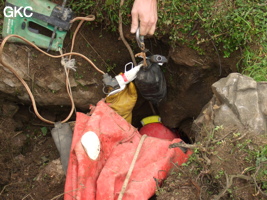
(140, 40)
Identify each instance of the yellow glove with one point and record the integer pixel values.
(124, 101)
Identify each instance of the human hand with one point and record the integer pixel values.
(144, 11)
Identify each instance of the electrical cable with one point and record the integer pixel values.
(122, 35)
(6, 65)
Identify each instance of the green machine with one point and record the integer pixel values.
(40, 21)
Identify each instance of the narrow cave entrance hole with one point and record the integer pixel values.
(143, 109)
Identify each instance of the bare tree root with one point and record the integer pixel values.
(241, 137)
(222, 137)
(255, 180)
(204, 152)
(28, 195)
(122, 35)
(7, 186)
(187, 146)
(229, 182)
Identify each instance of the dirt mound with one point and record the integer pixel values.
(227, 164)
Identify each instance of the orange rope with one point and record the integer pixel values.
(89, 18)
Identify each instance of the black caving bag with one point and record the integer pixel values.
(150, 80)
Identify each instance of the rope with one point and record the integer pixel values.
(71, 65)
(53, 56)
(122, 36)
(142, 55)
(152, 108)
(125, 183)
(88, 18)
(68, 87)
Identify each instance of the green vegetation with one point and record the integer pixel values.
(223, 156)
(106, 12)
(261, 169)
(44, 130)
(229, 25)
(255, 62)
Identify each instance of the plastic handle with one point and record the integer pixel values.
(125, 68)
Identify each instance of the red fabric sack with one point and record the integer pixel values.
(158, 130)
(102, 179)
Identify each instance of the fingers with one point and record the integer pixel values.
(135, 23)
(144, 27)
(148, 27)
(152, 30)
(144, 11)
(153, 26)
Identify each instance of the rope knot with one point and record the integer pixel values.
(142, 55)
(69, 64)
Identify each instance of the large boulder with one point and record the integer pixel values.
(46, 78)
(238, 101)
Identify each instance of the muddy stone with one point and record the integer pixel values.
(19, 140)
(9, 109)
(53, 170)
(238, 101)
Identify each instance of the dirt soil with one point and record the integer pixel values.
(225, 165)
(29, 163)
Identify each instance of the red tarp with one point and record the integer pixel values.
(102, 179)
(158, 130)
